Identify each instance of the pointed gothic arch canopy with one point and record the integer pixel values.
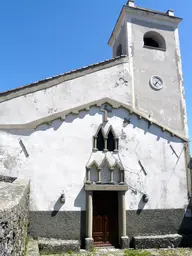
(104, 168)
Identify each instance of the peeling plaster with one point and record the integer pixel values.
(10, 162)
(144, 63)
(52, 168)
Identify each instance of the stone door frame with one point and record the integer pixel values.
(121, 189)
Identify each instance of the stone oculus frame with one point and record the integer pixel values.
(121, 189)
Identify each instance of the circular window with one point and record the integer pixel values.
(156, 82)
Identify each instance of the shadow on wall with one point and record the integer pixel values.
(146, 126)
(80, 201)
(122, 113)
(55, 124)
(186, 228)
(8, 179)
(57, 206)
(141, 206)
(152, 25)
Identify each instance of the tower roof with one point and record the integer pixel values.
(143, 13)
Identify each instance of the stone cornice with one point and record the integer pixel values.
(105, 187)
(142, 13)
(115, 104)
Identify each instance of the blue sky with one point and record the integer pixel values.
(43, 38)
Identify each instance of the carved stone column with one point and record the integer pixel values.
(99, 175)
(116, 144)
(89, 221)
(105, 144)
(124, 239)
(121, 176)
(112, 175)
(88, 181)
(95, 143)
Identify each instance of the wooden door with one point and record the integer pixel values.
(105, 218)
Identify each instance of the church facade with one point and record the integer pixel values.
(105, 147)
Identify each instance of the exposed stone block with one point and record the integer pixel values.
(58, 245)
(89, 243)
(164, 241)
(125, 242)
(33, 248)
(13, 217)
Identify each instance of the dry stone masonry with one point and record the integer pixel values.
(13, 217)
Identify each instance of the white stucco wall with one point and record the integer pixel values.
(59, 153)
(113, 82)
(150, 62)
(147, 62)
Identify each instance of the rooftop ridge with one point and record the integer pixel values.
(33, 84)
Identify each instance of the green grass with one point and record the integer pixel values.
(26, 244)
(131, 252)
(93, 249)
(136, 253)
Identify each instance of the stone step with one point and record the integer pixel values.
(50, 245)
(103, 247)
(161, 241)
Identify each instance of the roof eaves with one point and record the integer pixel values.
(35, 84)
(125, 7)
(155, 12)
(116, 23)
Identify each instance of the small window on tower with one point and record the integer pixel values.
(155, 40)
(119, 50)
(150, 42)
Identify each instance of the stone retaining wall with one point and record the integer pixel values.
(14, 198)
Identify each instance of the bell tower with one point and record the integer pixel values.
(151, 42)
